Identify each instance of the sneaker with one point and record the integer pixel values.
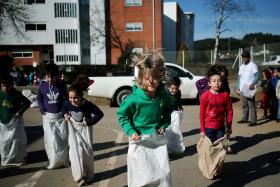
(242, 121)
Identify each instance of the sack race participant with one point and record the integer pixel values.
(81, 114)
(144, 115)
(50, 97)
(13, 138)
(173, 132)
(215, 124)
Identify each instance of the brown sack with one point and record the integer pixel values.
(211, 156)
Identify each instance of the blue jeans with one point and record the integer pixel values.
(214, 134)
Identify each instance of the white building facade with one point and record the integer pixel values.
(60, 31)
(178, 28)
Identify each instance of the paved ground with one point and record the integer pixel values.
(253, 162)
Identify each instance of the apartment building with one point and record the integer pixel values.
(135, 24)
(96, 32)
(59, 31)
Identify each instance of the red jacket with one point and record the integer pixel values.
(215, 110)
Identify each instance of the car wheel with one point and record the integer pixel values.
(121, 95)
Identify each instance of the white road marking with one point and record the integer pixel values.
(112, 161)
(32, 180)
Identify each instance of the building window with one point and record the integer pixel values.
(66, 36)
(35, 27)
(137, 26)
(22, 54)
(29, 2)
(67, 58)
(133, 2)
(62, 10)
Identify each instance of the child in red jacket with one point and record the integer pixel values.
(215, 109)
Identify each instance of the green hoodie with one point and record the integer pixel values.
(141, 114)
(12, 103)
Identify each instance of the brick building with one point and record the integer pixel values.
(137, 22)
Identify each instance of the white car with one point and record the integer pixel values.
(273, 60)
(117, 88)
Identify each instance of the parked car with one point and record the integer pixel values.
(273, 60)
(117, 88)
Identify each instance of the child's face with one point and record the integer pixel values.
(150, 83)
(74, 98)
(51, 78)
(215, 82)
(278, 73)
(173, 89)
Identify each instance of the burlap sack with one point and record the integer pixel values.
(211, 156)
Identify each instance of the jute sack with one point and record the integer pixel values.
(211, 156)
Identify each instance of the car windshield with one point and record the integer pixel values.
(272, 58)
(173, 71)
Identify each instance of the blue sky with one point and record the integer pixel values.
(266, 19)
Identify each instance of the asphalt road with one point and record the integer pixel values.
(253, 162)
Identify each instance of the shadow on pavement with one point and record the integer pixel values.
(36, 156)
(234, 99)
(106, 145)
(109, 173)
(243, 143)
(34, 133)
(13, 171)
(242, 173)
(112, 153)
(262, 121)
(192, 132)
(189, 151)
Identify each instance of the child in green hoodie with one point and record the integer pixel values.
(13, 138)
(144, 116)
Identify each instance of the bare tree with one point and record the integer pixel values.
(12, 14)
(113, 33)
(225, 10)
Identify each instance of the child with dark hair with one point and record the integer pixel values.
(173, 132)
(215, 122)
(173, 85)
(13, 139)
(215, 109)
(222, 69)
(51, 95)
(80, 115)
(202, 84)
(83, 81)
(266, 94)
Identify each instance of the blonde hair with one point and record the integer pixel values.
(151, 63)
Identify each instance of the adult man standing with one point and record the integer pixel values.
(248, 76)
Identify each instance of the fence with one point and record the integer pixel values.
(260, 53)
